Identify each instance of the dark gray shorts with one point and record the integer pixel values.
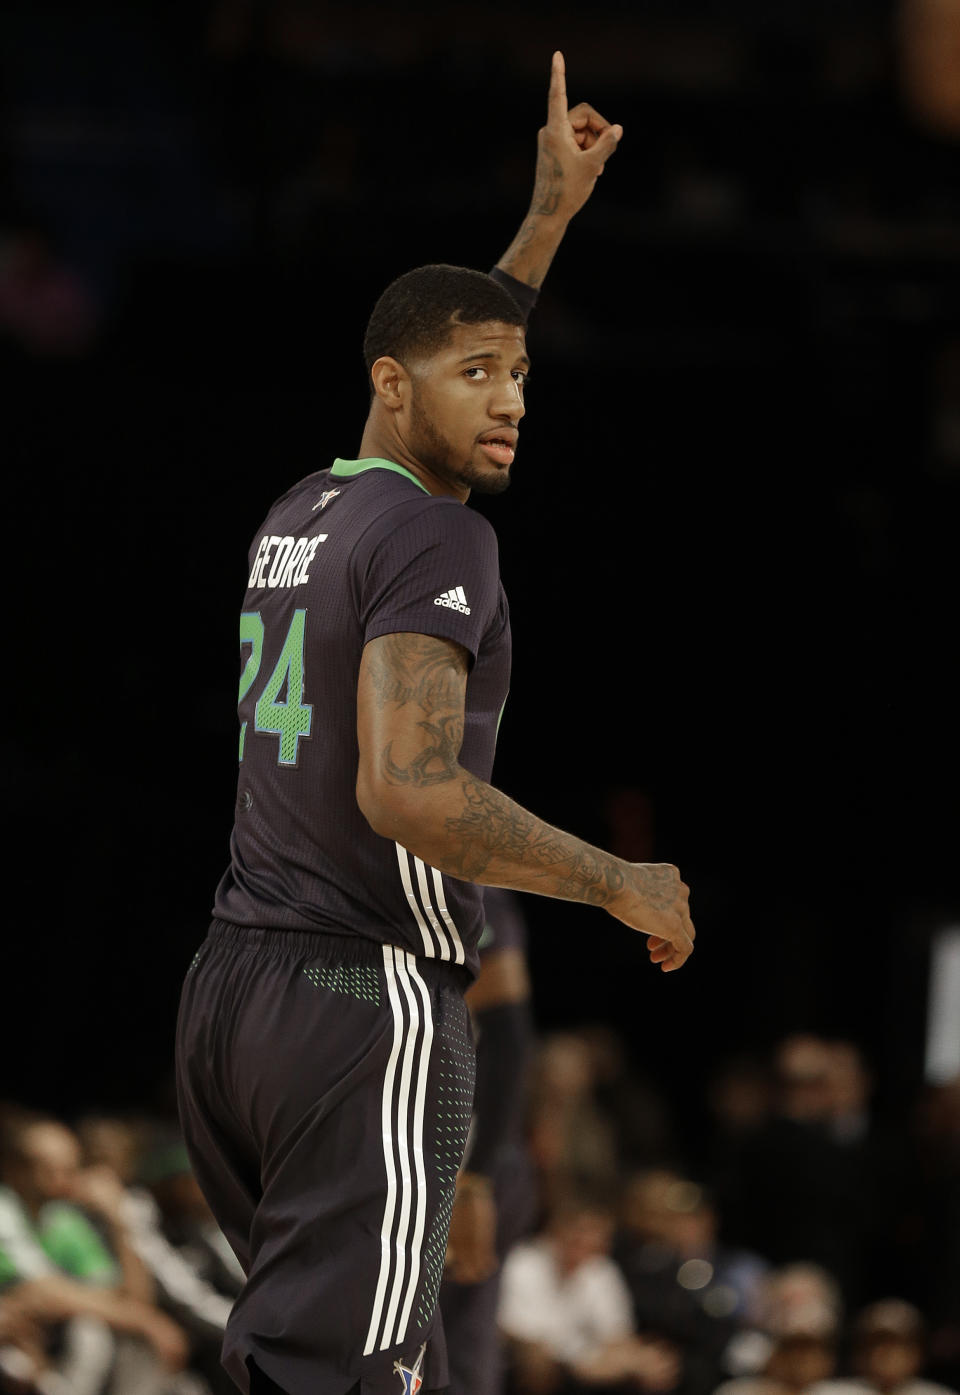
(325, 1086)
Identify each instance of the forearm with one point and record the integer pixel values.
(530, 254)
(467, 828)
(136, 1280)
(412, 789)
(54, 1298)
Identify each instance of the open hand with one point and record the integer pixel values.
(572, 149)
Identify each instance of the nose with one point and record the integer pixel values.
(506, 402)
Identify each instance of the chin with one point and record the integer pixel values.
(491, 485)
(484, 480)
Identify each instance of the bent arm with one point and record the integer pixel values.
(572, 149)
(412, 789)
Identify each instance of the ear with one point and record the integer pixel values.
(391, 383)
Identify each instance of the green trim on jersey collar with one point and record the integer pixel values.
(341, 469)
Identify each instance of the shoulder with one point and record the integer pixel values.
(429, 532)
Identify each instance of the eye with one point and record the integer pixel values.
(521, 376)
(474, 371)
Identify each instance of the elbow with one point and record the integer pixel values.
(386, 808)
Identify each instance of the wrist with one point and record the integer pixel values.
(547, 217)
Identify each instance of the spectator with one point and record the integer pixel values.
(888, 1354)
(928, 1210)
(102, 1332)
(572, 1142)
(685, 1286)
(642, 1129)
(801, 1192)
(793, 1345)
(565, 1313)
(179, 1243)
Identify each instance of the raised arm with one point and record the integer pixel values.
(412, 788)
(572, 149)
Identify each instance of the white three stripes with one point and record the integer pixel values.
(434, 914)
(402, 1131)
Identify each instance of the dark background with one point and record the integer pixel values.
(730, 544)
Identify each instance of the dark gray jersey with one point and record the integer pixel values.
(348, 554)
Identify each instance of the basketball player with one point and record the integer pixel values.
(324, 1055)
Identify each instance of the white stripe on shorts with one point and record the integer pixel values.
(403, 1116)
(386, 1122)
(416, 1244)
(402, 1120)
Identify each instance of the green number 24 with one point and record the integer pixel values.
(288, 718)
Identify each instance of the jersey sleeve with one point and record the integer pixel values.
(436, 572)
(524, 295)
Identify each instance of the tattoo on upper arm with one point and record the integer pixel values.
(418, 668)
(430, 674)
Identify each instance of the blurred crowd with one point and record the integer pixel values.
(807, 1245)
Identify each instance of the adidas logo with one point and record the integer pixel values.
(454, 600)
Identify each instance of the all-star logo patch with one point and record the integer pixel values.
(324, 499)
(411, 1376)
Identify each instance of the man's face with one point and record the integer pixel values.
(466, 405)
(51, 1162)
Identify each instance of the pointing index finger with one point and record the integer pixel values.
(557, 99)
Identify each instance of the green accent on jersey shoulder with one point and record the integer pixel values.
(344, 469)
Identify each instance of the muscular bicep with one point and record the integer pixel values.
(410, 707)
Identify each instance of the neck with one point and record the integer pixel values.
(378, 442)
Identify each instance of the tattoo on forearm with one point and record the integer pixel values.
(547, 189)
(491, 826)
(547, 185)
(658, 884)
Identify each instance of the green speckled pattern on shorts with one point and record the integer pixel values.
(454, 1108)
(358, 980)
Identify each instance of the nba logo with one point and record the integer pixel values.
(324, 499)
(412, 1376)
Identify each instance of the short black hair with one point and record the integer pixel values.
(414, 316)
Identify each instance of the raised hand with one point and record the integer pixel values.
(572, 149)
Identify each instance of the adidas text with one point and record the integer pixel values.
(454, 600)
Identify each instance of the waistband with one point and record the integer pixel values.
(333, 949)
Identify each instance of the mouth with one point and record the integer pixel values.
(500, 447)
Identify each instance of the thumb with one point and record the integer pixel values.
(606, 144)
